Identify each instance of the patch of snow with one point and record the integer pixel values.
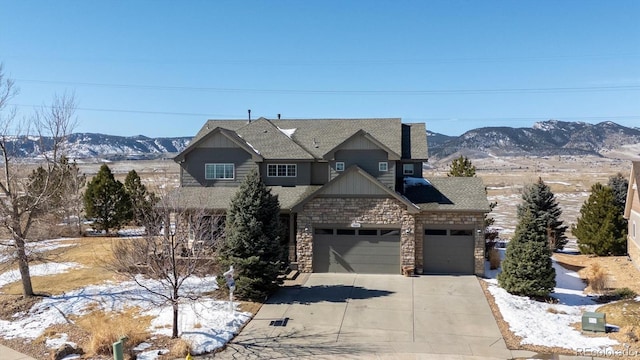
(58, 340)
(139, 231)
(416, 181)
(206, 323)
(38, 270)
(536, 324)
(142, 346)
(151, 355)
(254, 149)
(288, 132)
(558, 182)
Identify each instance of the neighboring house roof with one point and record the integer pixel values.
(449, 194)
(632, 191)
(219, 198)
(317, 137)
(346, 179)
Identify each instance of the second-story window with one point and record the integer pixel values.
(407, 169)
(219, 171)
(282, 170)
(383, 166)
(339, 165)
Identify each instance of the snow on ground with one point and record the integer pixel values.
(539, 323)
(138, 231)
(38, 270)
(206, 323)
(36, 247)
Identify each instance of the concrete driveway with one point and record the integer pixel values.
(374, 317)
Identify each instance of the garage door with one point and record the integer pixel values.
(448, 251)
(365, 251)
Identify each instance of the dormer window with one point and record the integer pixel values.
(219, 171)
(282, 170)
(383, 166)
(339, 165)
(407, 169)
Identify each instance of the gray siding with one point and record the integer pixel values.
(303, 174)
(193, 166)
(319, 173)
(367, 160)
(353, 184)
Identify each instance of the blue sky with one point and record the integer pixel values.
(161, 68)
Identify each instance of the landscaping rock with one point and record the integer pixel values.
(64, 351)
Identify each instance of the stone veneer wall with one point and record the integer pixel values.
(367, 211)
(455, 219)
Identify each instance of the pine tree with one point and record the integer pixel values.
(541, 203)
(620, 185)
(106, 201)
(599, 228)
(142, 201)
(252, 239)
(527, 268)
(462, 167)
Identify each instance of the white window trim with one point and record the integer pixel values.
(339, 165)
(406, 170)
(233, 171)
(295, 167)
(383, 166)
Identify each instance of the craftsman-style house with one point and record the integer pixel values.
(351, 191)
(632, 214)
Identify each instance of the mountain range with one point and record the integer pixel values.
(545, 138)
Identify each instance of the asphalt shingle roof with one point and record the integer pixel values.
(316, 137)
(450, 194)
(219, 198)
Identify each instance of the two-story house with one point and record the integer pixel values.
(632, 214)
(351, 191)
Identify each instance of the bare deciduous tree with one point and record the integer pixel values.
(23, 198)
(177, 252)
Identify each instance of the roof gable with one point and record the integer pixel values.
(358, 183)
(361, 140)
(632, 191)
(210, 138)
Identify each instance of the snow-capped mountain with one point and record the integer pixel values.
(545, 138)
(89, 145)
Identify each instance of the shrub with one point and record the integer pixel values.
(107, 328)
(624, 293)
(180, 349)
(597, 278)
(494, 259)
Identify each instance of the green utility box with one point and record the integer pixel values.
(593, 321)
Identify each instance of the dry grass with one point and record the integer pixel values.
(597, 278)
(553, 310)
(106, 328)
(93, 253)
(622, 313)
(180, 349)
(494, 259)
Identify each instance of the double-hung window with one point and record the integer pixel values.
(219, 171)
(282, 170)
(407, 169)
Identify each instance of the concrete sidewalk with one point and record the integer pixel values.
(10, 354)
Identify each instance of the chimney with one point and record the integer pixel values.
(249, 111)
(278, 116)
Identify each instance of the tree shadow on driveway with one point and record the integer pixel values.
(292, 345)
(324, 293)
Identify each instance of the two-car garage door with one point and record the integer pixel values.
(349, 250)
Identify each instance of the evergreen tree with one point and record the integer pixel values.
(106, 201)
(142, 201)
(462, 167)
(599, 228)
(527, 268)
(252, 239)
(619, 184)
(541, 203)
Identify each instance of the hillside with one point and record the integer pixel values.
(546, 138)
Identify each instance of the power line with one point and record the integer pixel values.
(349, 92)
(452, 118)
